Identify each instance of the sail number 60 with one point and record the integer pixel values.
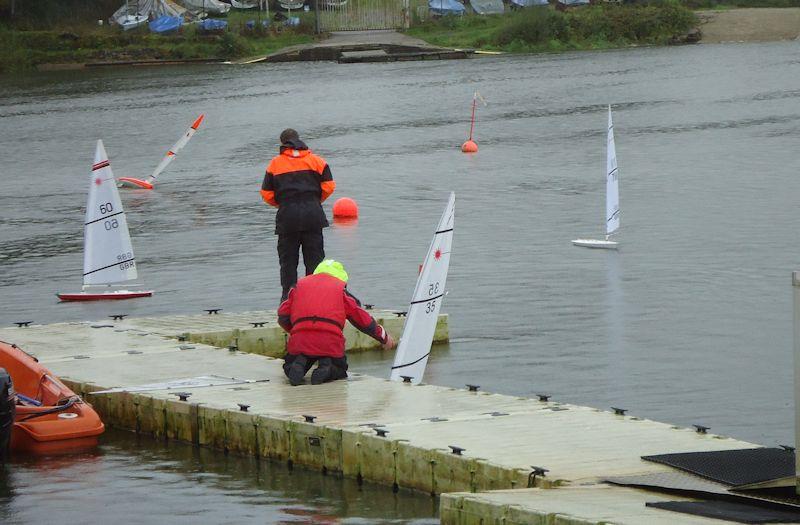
(106, 208)
(110, 225)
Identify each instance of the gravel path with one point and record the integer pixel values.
(750, 25)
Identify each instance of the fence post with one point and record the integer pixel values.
(316, 17)
(406, 14)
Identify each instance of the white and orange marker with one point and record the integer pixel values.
(147, 184)
(470, 146)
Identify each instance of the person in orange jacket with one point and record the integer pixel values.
(297, 182)
(314, 314)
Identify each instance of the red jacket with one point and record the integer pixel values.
(315, 312)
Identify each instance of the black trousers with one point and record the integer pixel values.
(338, 365)
(289, 245)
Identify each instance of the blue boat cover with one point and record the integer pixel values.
(487, 7)
(212, 24)
(446, 7)
(251, 24)
(165, 24)
(529, 3)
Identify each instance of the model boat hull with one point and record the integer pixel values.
(596, 243)
(104, 296)
(130, 182)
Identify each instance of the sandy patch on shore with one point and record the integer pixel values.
(764, 24)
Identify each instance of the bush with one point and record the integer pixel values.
(535, 26)
(231, 45)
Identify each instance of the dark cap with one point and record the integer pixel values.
(288, 135)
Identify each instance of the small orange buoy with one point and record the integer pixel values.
(469, 147)
(345, 207)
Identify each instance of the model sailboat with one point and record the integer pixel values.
(423, 312)
(107, 252)
(147, 184)
(612, 196)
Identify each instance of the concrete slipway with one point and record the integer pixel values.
(429, 438)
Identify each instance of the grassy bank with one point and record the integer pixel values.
(36, 35)
(726, 4)
(545, 29)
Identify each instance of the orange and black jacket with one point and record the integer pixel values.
(297, 182)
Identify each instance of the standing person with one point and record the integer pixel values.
(314, 314)
(297, 182)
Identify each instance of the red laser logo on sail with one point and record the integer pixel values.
(437, 254)
(98, 181)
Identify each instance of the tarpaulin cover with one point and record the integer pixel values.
(446, 7)
(165, 24)
(211, 24)
(733, 467)
(530, 3)
(487, 7)
(149, 8)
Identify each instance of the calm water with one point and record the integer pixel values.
(689, 323)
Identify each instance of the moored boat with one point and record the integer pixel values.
(50, 418)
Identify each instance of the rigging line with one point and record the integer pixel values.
(109, 266)
(411, 363)
(426, 300)
(103, 218)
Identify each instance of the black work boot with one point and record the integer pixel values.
(297, 370)
(323, 371)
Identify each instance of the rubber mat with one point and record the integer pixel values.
(733, 467)
(725, 510)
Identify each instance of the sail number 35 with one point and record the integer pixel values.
(433, 289)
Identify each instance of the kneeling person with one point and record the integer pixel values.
(314, 314)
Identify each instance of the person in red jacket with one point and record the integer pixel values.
(314, 314)
(297, 182)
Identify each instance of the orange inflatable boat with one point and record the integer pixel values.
(50, 418)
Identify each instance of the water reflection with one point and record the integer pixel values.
(144, 481)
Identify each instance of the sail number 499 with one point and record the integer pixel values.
(126, 261)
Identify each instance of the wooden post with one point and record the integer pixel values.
(316, 17)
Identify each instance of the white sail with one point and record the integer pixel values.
(423, 312)
(107, 251)
(175, 149)
(612, 182)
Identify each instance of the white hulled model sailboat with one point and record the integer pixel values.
(107, 252)
(612, 196)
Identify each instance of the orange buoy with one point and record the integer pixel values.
(469, 147)
(345, 208)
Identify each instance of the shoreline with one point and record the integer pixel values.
(734, 25)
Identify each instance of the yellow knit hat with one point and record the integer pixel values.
(333, 268)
